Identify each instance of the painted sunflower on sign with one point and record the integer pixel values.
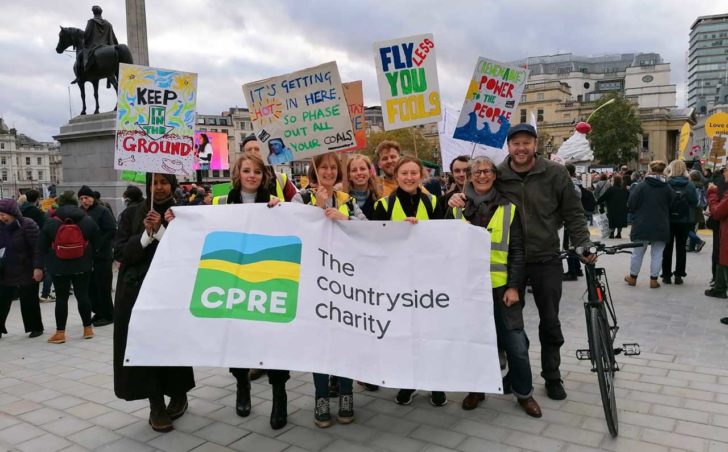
(184, 85)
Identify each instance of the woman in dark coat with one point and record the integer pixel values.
(21, 267)
(137, 239)
(615, 198)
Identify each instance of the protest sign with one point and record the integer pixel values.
(491, 100)
(355, 101)
(450, 148)
(211, 151)
(287, 288)
(300, 115)
(407, 76)
(134, 176)
(155, 121)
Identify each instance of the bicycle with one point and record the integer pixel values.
(601, 325)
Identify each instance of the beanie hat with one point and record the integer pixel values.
(68, 198)
(133, 193)
(10, 207)
(85, 191)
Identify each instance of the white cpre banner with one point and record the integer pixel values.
(400, 305)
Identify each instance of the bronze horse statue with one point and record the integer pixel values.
(106, 65)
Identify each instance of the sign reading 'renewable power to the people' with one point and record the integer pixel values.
(288, 288)
(407, 76)
(155, 120)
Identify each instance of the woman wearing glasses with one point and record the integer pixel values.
(481, 205)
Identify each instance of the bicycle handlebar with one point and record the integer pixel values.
(602, 248)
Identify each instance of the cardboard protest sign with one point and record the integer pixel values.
(492, 97)
(354, 94)
(450, 148)
(407, 76)
(211, 151)
(300, 115)
(287, 288)
(155, 121)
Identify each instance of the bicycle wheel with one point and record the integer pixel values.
(602, 355)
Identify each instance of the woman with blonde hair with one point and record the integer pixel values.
(361, 184)
(682, 217)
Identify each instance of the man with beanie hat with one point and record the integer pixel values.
(67, 271)
(101, 275)
(21, 268)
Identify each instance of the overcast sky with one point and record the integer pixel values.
(231, 42)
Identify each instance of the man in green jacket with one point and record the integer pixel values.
(545, 196)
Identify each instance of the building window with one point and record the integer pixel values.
(215, 173)
(567, 115)
(539, 96)
(226, 173)
(2, 145)
(27, 160)
(645, 141)
(539, 115)
(39, 160)
(40, 174)
(5, 176)
(523, 116)
(524, 98)
(3, 161)
(28, 175)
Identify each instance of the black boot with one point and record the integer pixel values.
(158, 417)
(177, 406)
(279, 411)
(242, 400)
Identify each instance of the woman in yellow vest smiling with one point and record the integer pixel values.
(337, 205)
(485, 207)
(409, 203)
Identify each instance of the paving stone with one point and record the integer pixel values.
(124, 445)
(221, 433)
(19, 433)
(533, 442)
(702, 431)
(44, 443)
(307, 438)
(674, 440)
(480, 445)
(94, 437)
(175, 441)
(346, 446)
(66, 426)
(396, 443)
(42, 416)
(258, 443)
(439, 436)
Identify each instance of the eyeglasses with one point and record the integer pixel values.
(483, 172)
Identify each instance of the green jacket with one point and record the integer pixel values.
(547, 202)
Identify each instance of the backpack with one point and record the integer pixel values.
(69, 242)
(679, 207)
(702, 201)
(588, 202)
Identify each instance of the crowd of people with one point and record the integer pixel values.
(523, 202)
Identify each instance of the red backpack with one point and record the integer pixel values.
(69, 242)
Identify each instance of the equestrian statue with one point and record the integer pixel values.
(98, 54)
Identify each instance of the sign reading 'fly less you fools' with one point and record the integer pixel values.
(300, 115)
(492, 97)
(407, 76)
(155, 120)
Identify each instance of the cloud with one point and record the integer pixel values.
(229, 43)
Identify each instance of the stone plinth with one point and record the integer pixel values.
(87, 148)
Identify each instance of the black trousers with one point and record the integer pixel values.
(80, 283)
(100, 289)
(572, 262)
(678, 240)
(29, 306)
(716, 250)
(546, 279)
(275, 376)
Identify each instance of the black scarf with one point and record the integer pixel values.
(161, 206)
(479, 209)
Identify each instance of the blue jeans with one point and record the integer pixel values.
(693, 240)
(47, 282)
(321, 383)
(513, 339)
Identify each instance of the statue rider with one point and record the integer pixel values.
(99, 32)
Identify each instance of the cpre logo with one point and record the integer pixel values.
(247, 276)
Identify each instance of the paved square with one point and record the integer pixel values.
(672, 397)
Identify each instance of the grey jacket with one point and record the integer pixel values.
(547, 202)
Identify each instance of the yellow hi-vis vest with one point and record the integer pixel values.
(344, 202)
(398, 212)
(281, 180)
(499, 227)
